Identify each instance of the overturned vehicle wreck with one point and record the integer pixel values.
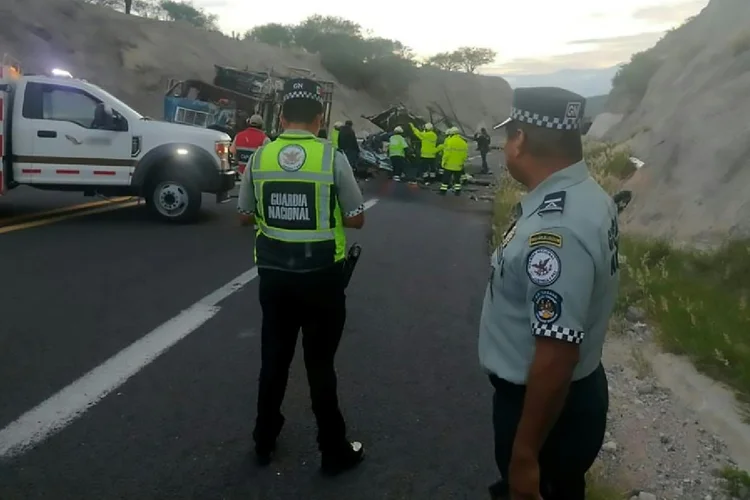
(372, 153)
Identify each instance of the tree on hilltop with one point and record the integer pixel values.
(317, 33)
(162, 10)
(278, 35)
(186, 11)
(473, 57)
(447, 61)
(466, 58)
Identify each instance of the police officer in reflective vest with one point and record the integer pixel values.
(301, 193)
(248, 141)
(552, 289)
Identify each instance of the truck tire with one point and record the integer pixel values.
(173, 197)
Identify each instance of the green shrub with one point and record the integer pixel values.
(635, 76)
(736, 482)
(698, 300)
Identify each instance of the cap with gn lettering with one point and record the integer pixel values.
(302, 88)
(547, 107)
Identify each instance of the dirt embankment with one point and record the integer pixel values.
(691, 127)
(134, 58)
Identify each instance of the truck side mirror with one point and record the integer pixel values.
(103, 117)
(120, 123)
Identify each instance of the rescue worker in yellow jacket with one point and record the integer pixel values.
(397, 146)
(335, 134)
(428, 151)
(455, 151)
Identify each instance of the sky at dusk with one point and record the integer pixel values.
(530, 36)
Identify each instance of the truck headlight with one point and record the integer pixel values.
(221, 148)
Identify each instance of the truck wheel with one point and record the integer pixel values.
(173, 198)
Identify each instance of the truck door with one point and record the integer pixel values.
(69, 146)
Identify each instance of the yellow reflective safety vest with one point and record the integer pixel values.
(299, 220)
(428, 139)
(455, 152)
(335, 138)
(397, 145)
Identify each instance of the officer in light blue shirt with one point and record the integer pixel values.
(552, 289)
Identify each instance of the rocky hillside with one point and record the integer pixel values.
(134, 57)
(685, 106)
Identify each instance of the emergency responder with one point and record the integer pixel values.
(483, 141)
(455, 151)
(397, 152)
(552, 288)
(301, 193)
(248, 141)
(427, 152)
(347, 142)
(335, 134)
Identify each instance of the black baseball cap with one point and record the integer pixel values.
(546, 107)
(302, 88)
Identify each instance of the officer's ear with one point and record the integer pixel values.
(318, 121)
(515, 140)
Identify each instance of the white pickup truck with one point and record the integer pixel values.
(65, 134)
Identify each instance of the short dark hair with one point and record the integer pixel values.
(547, 142)
(301, 110)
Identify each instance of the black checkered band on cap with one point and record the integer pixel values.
(303, 94)
(545, 121)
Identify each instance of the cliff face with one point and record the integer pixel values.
(134, 58)
(692, 129)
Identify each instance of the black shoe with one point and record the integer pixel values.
(264, 454)
(499, 491)
(350, 457)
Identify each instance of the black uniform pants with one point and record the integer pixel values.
(428, 168)
(399, 165)
(451, 178)
(315, 303)
(485, 166)
(353, 156)
(572, 444)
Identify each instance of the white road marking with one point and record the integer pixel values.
(65, 406)
(371, 203)
(61, 409)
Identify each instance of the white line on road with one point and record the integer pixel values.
(61, 409)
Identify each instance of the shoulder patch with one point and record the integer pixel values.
(543, 266)
(553, 202)
(547, 306)
(543, 238)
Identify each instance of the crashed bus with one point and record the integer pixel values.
(233, 96)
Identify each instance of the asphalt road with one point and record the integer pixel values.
(80, 292)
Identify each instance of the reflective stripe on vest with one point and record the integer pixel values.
(290, 235)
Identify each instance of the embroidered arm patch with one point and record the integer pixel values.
(543, 238)
(543, 266)
(547, 310)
